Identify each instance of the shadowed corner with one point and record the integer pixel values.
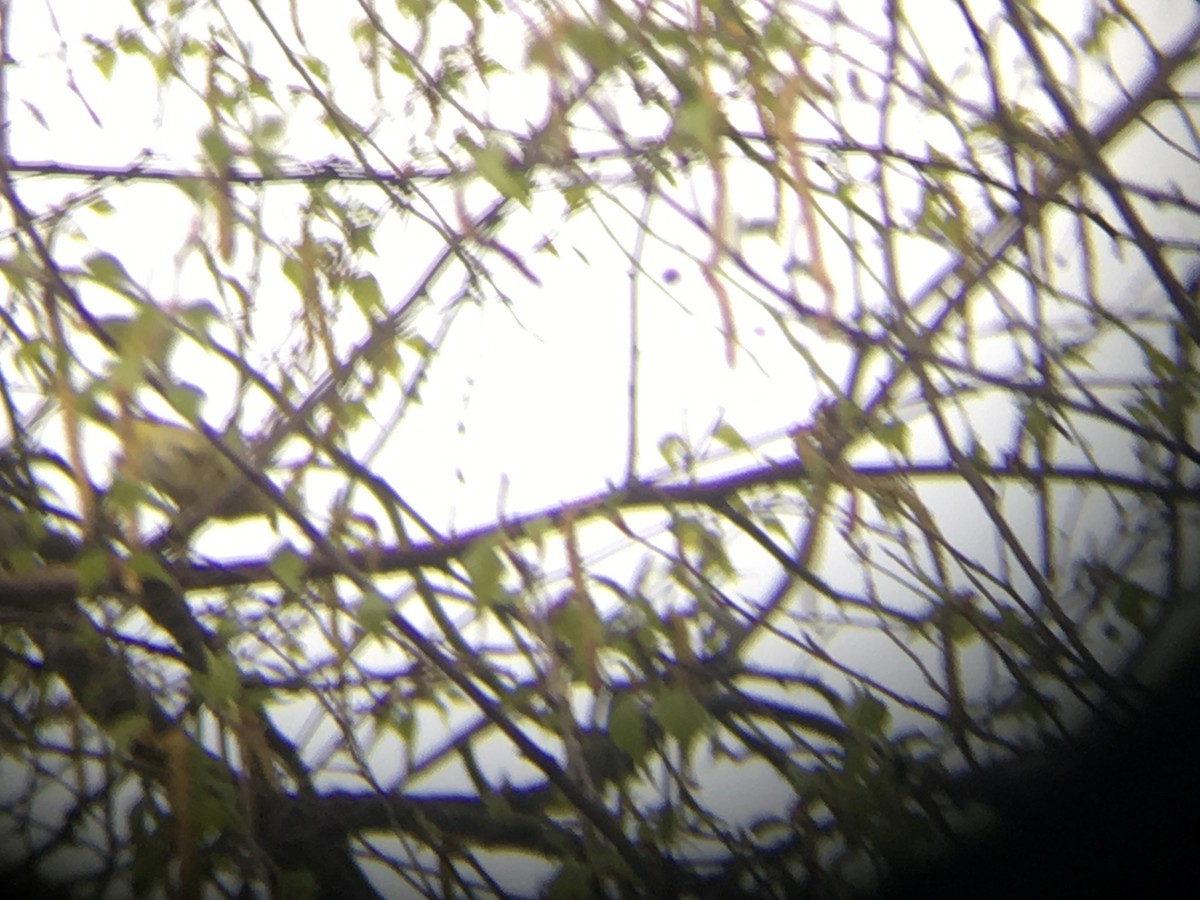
(1115, 816)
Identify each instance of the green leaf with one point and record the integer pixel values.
(575, 624)
(215, 808)
(493, 164)
(958, 628)
(316, 67)
(695, 538)
(680, 714)
(484, 568)
(691, 534)
(146, 337)
(186, 398)
(675, 452)
(593, 44)
(576, 196)
(298, 884)
(373, 613)
(125, 729)
(294, 272)
(867, 714)
(270, 130)
(361, 238)
(627, 726)
(151, 857)
(729, 436)
(104, 57)
(470, 8)
(34, 357)
(199, 315)
(700, 123)
(220, 684)
(367, 294)
(91, 567)
(131, 44)
(894, 435)
(109, 271)
(977, 458)
(148, 565)
(573, 882)
(363, 33)
(289, 567)
(216, 148)
(1035, 423)
(401, 65)
(124, 495)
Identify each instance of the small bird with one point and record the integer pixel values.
(183, 465)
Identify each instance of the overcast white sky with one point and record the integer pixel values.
(541, 389)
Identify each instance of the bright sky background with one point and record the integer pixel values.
(540, 390)
(527, 406)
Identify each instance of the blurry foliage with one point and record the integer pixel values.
(284, 720)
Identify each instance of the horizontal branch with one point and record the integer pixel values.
(302, 173)
(59, 584)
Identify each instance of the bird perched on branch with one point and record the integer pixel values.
(186, 467)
